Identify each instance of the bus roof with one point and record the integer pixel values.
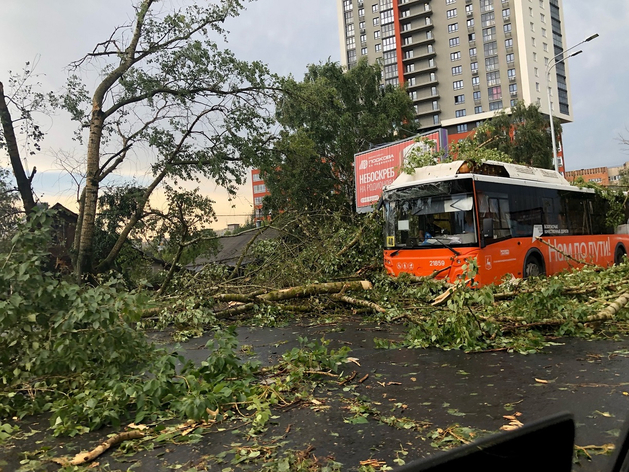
(452, 169)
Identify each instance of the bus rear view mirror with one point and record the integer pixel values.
(488, 228)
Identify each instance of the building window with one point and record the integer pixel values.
(259, 188)
(386, 17)
(510, 58)
(348, 5)
(361, 25)
(532, 26)
(413, 95)
(471, 37)
(536, 70)
(374, 8)
(458, 99)
(409, 68)
(350, 30)
(257, 177)
(458, 70)
(535, 56)
(411, 82)
(476, 95)
(541, 4)
(409, 54)
(363, 38)
(478, 110)
(507, 28)
(433, 76)
(537, 86)
(513, 89)
(351, 42)
(494, 93)
(475, 81)
(453, 28)
(457, 84)
(377, 47)
(455, 56)
(495, 105)
(472, 52)
(486, 5)
(363, 51)
(474, 66)
(511, 73)
(258, 200)
(493, 78)
(459, 113)
(542, 17)
(506, 13)
(390, 57)
(435, 105)
(545, 46)
(488, 19)
(469, 9)
(388, 29)
(376, 21)
(453, 42)
(361, 12)
(351, 56)
(407, 40)
(544, 32)
(376, 34)
(509, 43)
(489, 34)
(450, 2)
(435, 119)
(513, 102)
(451, 13)
(470, 23)
(433, 91)
(461, 128)
(533, 42)
(491, 49)
(491, 63)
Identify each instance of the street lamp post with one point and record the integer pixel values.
(552, 63)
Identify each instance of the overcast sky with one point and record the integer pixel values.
(290, 34)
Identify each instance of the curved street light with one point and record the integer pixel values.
(552, 63)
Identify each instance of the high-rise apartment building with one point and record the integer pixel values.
(461, 60)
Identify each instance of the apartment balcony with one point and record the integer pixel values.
(424, 97)
(416, 13)
(427, 111)
(416, 28)
(418, 42)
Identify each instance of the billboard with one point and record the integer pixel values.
(378, 167)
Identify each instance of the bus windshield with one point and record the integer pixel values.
(430, 215)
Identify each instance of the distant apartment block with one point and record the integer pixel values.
(461, 60)
(259, 192)
(599, 175)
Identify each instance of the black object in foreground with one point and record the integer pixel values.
(542, 446)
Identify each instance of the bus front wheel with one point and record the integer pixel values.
(533, 266)
(619, 254)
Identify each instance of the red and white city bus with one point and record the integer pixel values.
(442, 215)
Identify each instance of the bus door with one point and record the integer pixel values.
(500, 253)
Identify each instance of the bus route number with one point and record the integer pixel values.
(440, 263)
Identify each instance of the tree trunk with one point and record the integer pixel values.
(90, 201)
(171, 272)
(23, 182)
